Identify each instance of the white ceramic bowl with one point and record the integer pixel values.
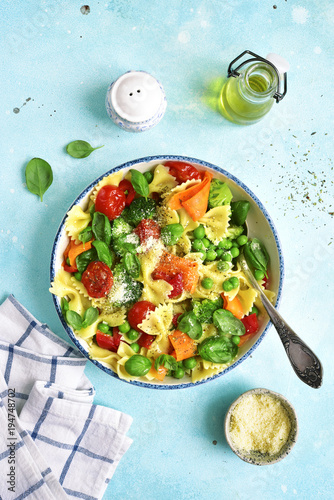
(257, 458)
(259, 224)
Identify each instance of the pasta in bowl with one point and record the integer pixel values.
(145, 275)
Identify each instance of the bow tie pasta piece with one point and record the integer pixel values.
(162, 182)
(63, 286)
(216, 222)
(76, 221)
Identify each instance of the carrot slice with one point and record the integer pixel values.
(184, 346)
(194, 199)
(76, 250)
(158, 374)
(244, 338)
(234, 306)
(172, 264)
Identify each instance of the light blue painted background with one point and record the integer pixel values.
(64, 62)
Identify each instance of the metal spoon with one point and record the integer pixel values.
(304, 362)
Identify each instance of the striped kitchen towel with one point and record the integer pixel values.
(54, 442)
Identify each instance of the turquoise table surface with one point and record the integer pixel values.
(56, 65)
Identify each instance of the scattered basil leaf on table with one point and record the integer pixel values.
(167, 361)
(188, 323)
(217, 349)
(103, 252)
(139, 183)
(80, 149)
(39, 176)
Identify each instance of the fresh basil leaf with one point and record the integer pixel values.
(217, 349)
(85, 258)
(80, 149)
(74, 320)
(90, 316)
(131, 264)
(86, 234)
(167, 361)
(64, 305)
(239, 211)
(188, 323)
(256, 255)
(92, 210)
(103, 252)
(137, 365)
(171, 233)
(139, 183)
(227, 323)
(39, 176)
(101, 227)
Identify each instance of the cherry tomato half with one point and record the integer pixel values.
(145, 340)
(107, 341)
(126, 185)
(182, 171)
(176, 281)
(138, 313)
(147, 228)
(110, 201)
(97, 279)
(250, 323)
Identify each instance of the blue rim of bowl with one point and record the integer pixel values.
(148, 159)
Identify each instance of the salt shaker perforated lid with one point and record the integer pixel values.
(136, 101)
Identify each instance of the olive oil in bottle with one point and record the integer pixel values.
(249, 94)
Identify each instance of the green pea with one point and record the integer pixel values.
(242, 240)
(178, 373)
(207, 283)
(189, 363)
(203, 255)
(132, 334)
(254, 310)
(227, 257)
(234, 282)
(125, 327)
(211, 255)
(103, 327)
(225, 243)
(235, 244)
(206, 242)
(135, 347)
(227, 286)
(259, 275)
(199, 232)
(219, 252)
(148, 176)
(235, 339)
(78, 276)
(223, 266)
(235, 252)
(198, 245)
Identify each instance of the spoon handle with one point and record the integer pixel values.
(303, 360)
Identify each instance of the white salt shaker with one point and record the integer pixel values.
(136, 101)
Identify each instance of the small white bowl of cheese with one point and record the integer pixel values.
(261, 427)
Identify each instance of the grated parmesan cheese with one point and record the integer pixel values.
(260, 423)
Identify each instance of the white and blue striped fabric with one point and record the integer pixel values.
(54, 442)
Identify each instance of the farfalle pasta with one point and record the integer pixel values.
(150, 278)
